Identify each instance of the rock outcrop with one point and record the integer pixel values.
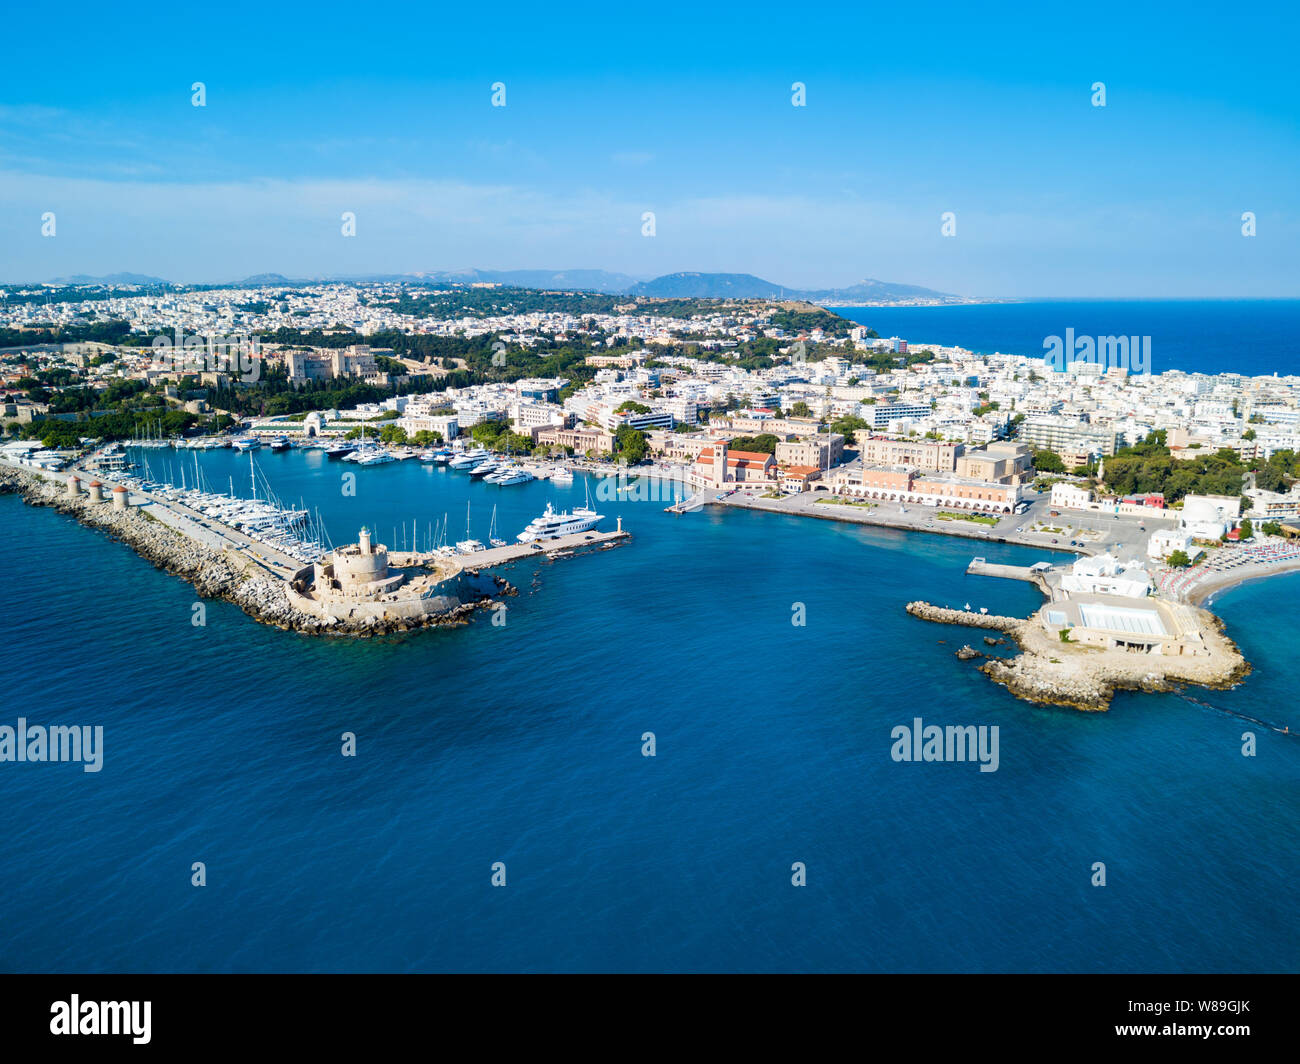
(1063, 674)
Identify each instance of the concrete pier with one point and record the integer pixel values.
(1030, 574)
(495, 557)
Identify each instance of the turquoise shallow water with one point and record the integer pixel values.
(522, 744)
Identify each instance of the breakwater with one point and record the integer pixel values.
(227, 575)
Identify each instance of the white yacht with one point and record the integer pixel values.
(552, 525)
(509, 475)
(484, 468)
(372, 456)
(469, 459)
(562, 475)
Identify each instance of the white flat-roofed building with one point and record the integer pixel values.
(1107, 575)
(1070, 496)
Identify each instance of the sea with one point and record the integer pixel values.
(770, 660)
(1252, 337)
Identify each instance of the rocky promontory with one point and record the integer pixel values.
(1049, 670)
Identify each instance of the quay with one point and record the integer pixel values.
(1030, 574)
(495, 557)
(202, 529)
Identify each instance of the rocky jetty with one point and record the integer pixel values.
(217, 574)
(1064, 674)
(944, 615)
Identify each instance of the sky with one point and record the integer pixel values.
(682, 110)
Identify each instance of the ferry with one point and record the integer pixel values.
(280, 443)
(552, 525)
(247, 443)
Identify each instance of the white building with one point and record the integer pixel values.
(1209, 516)
(1167, 540)
(1107, 575)
(1070, 497)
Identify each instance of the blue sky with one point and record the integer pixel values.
(683, 110)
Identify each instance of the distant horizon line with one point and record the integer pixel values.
(951, 300)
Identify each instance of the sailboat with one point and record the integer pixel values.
(585, 509)
(493, 538)
(468, 545)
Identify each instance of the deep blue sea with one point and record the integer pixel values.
(1255, 337)
(522, 744)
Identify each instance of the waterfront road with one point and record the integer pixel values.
(1077, 533)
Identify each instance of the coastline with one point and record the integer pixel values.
(855, 516)
(1046, 671)
(1207, 589)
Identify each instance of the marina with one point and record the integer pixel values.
(282, 542)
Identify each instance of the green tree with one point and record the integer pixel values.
(631, 444)
(1048, 462)
(1179, 560)
(762, 444)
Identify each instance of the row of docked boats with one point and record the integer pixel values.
(483, 465)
